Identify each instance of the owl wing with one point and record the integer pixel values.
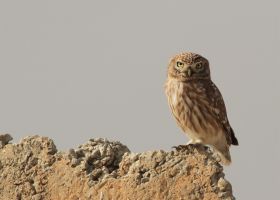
(218, 110)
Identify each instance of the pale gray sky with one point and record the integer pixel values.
(74, 70)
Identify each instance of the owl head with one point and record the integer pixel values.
(188, 66)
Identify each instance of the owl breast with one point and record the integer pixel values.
(189, 106)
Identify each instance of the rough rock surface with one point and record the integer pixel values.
(100, 169)
(5, 139)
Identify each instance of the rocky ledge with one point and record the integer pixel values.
(101, 169)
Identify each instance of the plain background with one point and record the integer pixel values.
(74, 70)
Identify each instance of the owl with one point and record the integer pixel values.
(197, 104)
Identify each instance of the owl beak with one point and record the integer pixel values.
(189, 71)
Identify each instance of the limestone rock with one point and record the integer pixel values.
(101, 169)
(99, 158)
(5, 139)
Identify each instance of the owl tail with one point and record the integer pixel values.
(223, 153)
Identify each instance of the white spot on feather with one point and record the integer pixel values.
(174, 98)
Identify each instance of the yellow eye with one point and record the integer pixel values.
(199, 66)
(180, 64)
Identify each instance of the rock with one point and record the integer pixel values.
(22, 164)
(102, 169)
(98, 158)
(5, 139)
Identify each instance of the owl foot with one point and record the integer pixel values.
(190, 146)
(185, 147)
(180, 147)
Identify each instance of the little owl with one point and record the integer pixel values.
(197, 104)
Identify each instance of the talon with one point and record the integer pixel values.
(180, 147)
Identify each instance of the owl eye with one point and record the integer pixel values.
(180, 64)
(199, 66)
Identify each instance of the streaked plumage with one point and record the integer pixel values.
(197, 104)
